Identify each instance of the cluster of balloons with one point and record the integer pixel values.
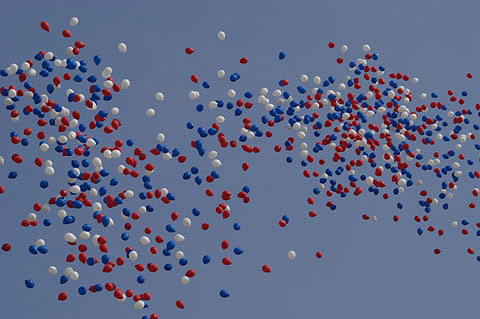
(354, 136)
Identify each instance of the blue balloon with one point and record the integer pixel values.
(29, 283)
(140, 279)
(238, 251)
(82, 290)
(224, 293)
(170, 245)
(98, 287)
(170, 228)
(42, 249)
(97, 59)
(33, 249)
(206, 259)
(168, 267)
(196, 211)
(63, 279)
(281, 55)
(237, 226)
(286, 218)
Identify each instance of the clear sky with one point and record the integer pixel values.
(368, 270)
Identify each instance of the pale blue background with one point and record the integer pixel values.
(381, 270)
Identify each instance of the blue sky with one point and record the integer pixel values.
(375, 270)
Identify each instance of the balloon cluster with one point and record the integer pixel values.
(364, 138)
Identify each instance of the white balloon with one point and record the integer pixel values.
(62, 213)
(2, 161)
(125, 84)
(212, 155)
(161, 137)
(343, 48)
(133, 256)
(179, 238)
(95, 240)
(304, 78)
(220, 73)
(73, 21)
(74, 275)
(292, 254)
(221, 35)
(52, 270)
(366, 47)
(139, 305)
(85, 235)
(231, 93)
(220, 119)
(150, 112)
(32, 217)
(216, 163)
(187, 222)
(454, 224)
(71, 238)
(122, 47)
(40, 242)
(159, 96)
(317, 80)
(144, 240)
(68, 271)
(179, 254)
(49, 170)
(185, 280)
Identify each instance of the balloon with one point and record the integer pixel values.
(29, 283)
(266, 268)
(45, 26)
(185, 280)
(74, 21)
(221, 35)
(224, 294)
(180, 304)
(292, 254)
(62, 296)
(122, 47)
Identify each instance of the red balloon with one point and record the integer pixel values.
(62, 296)
(318, 254)
(244, 60)
(45, 26)
(180, 304)
(6, 247)
(225, 244)
(66, 33)
(189, 50)
(118, 293)
(266, 269)
(194, 78)
(226, 261)
(245, 166)
(437, 251)
(282, 223)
